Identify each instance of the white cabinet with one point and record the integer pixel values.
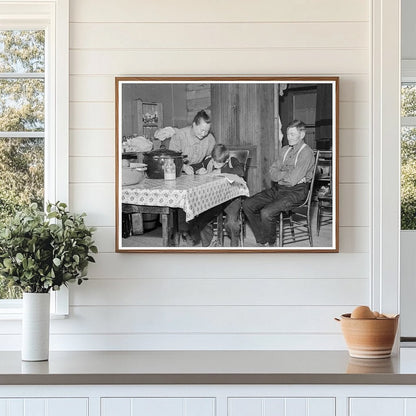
(281, 406)
(160, 406)
(44, 407)
(208, 400)
(382, 406)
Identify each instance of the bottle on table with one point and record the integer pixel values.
(169, 169)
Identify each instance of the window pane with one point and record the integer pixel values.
(408, 178)
(408, 100)
(21, 182)
(21, 173)
(22, 109)
(22, 104)
(22, 51)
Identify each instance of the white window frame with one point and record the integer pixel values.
(53, 17)
(385, 187)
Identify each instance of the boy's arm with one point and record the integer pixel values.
(202, 164)
(237, 168)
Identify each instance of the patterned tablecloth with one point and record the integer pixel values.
(194, 194)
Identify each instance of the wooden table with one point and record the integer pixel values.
(168, 218)
(193, 194)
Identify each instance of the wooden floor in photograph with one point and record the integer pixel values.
(153, 238)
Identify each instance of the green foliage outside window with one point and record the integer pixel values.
(408, 105)
(408, 160)
(408, 179)
(21, 110)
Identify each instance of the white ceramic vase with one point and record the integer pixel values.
(35, 326)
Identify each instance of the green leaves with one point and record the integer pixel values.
(408, 178)
(40, 252)
(7, 263)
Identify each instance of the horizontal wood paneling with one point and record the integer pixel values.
(354, 170)
(354, 239)
(105, 239)
(219, 11)
(92, 143)
(92, 115)
(99, 88)
(354, 87)
(200, 319)
(216, 62)
(92, 88)
(189, 341)
(271, 265)
(354, 205)
(354, 115)
(221, 291)
(160, 320)
(96, 199)
(216, 301)
(354, 142)
(222, 36)
(92, 169)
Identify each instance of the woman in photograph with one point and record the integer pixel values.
(196, 142)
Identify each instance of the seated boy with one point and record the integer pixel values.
(221, 162)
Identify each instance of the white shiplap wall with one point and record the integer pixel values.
(181, 301)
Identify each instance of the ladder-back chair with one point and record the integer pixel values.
(300, 216)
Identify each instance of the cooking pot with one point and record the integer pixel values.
(156, 159)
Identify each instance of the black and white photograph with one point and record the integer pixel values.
(245, 164)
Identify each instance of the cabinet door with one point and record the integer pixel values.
(382, 406)
(159, 406)
(281, 406)
(44, 407)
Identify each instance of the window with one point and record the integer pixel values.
(408, 152)
(33, 63)
(22, 124)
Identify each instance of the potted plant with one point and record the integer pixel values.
(40, 252)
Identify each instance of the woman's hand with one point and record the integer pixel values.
(189, 170)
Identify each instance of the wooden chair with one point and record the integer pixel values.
(300, 216)
(324, 212)
(243, 156)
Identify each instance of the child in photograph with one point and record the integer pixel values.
(220, 162)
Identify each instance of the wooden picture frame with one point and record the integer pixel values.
(250, 116)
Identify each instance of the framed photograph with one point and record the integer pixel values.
(230, 164)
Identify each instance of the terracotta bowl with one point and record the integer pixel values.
(369, 338)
